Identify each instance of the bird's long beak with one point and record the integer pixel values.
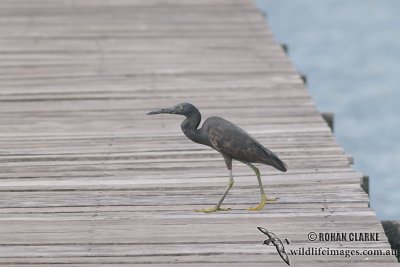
(161, 111)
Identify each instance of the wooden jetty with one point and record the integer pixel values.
(87, 179)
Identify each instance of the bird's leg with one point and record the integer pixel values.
(264, 198)
(230, 184)
(218, 206)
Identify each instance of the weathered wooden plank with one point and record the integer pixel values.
(87, 179)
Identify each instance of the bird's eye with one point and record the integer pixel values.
(180, 107)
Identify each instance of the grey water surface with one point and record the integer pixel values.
(350, 53)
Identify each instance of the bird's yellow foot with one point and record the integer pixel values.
(213, 209)
(264, 200)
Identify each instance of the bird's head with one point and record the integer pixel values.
(268, 242)
(185, 109)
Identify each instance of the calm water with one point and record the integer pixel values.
(350, 52)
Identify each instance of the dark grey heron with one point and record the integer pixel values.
(229, 140)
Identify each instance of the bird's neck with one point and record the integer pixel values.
(190, 124)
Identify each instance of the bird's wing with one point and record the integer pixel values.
(280, 248)
(233, 141)
(229, 139)
(264, 231)
(284, 256)
(272, 235)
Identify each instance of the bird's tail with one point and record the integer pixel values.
(273, 160)
(277, 162)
